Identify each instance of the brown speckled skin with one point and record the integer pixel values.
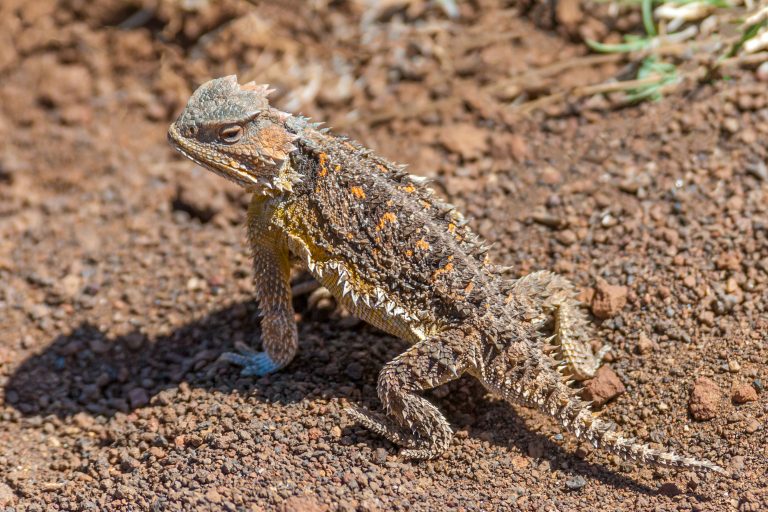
(401, 259)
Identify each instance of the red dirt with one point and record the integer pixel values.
(124, 272)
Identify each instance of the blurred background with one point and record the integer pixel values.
(621, 144)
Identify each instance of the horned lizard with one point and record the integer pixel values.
(401, 259)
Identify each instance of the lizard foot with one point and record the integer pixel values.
(414, 448)
(253, 363)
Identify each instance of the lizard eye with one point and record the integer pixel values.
(231, 133)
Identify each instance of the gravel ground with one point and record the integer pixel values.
(124, 272)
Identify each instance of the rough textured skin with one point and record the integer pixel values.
(398, 257)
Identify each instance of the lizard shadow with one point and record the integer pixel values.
(87, 371)
(497, 423)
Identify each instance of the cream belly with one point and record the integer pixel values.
(367, 302)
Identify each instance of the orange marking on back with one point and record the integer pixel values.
(408, 253)
(382, 168)
(442, 270)
(422, 244)
(323, 169)
(451, 227)
(468, 289)
(388, 217)
(337, 168)
(358, 192)
(426, 204)
(409, 188)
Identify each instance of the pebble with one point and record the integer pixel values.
(762, 72)
(566, 237)
(608, 299)
(575, 483)
(138, 397)
(354, 370)
(752, 427)
(7, 496)
(705, 399)
(644, 344)
(707, 318)
(605, 386)
(742, 393)
(302, 504)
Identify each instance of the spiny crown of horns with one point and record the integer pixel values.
(224, 100)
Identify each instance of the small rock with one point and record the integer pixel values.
(566, 237)
(99, 346)
(354, 371)
(728, 261)
(752, 427)
(569, 14)
(575, 483)
(742, 393)
(608, 299)
(7, 496)
(314, 433)
(129, 464)
(138, 397)
(380, 456)
(70, 285)
(705, 399)
(731, 125)
(603, 387)
(551, 176)
(213, 496)
(733, 366)
(644, 344)
(134, 340)
(302, 504)
(762, 72)
(195, 284)
(707, 318)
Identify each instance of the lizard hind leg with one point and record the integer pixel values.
(571, 328)
(570, 341)
(411, 421)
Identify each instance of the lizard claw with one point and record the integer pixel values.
(253, 363)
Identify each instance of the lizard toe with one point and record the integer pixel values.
(254, 364)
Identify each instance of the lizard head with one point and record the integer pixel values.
(232, 130)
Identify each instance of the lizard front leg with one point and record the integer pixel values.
(412, 421)
(271, 265)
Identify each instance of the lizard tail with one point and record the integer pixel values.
(533, 383)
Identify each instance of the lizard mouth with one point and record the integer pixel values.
(211, 160)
